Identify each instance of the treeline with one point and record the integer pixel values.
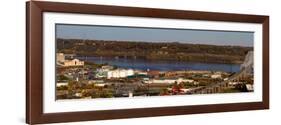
(154, 50)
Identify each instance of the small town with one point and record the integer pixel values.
(80, 79)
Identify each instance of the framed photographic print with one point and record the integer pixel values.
(95, 62)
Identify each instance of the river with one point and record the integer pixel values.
(161, 65)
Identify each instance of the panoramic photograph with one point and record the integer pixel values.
(95, 62)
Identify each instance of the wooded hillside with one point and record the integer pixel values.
(154, 50)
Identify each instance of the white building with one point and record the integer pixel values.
(119, 73)
(168, 81)
(130, 94)
(216, 76)
(60, 58)
(59, 84)
(180, 80)
(74, 62)
(61, 61)
(250, 87)
(232, 83)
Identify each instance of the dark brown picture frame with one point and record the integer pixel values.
(34, 61)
